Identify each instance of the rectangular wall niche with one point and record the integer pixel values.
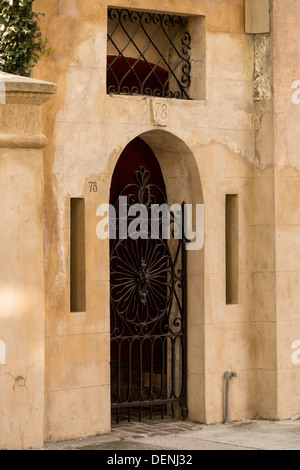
(155, 54)
(232, 250)
(77, 256)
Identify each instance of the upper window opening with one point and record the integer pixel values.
(148, 54)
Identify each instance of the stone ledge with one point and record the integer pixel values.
(23, 90)
(29, 141)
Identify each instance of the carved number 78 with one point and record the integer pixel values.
(161, 111)
(93, 186)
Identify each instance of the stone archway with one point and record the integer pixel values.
(182, 181)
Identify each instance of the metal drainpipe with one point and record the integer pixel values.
(228, 376)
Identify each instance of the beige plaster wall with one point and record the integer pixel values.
(22, 316)
(287, 189)
(90, 130)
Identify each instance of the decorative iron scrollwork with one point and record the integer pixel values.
(148, 54)
(143, 278)
(143, 283)
(147, 312)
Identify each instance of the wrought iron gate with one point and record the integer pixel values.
(148, 313)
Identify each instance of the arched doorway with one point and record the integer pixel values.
(148, 305)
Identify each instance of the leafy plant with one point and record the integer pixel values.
(21, 41)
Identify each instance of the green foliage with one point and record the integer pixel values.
(21, 41)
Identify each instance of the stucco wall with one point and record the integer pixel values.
(90, 130)
(230, 137)
(241, 139)
(287, 190)
(22, 295)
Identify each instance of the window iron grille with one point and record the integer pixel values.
(148, 54)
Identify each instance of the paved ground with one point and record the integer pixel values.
(186, 435)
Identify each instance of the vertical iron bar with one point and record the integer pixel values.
(183, 381)
(184, 318)
(141, 372)
(119, 373)
(162, 395)
(173, 369)
(151, 369)
(129, 369)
